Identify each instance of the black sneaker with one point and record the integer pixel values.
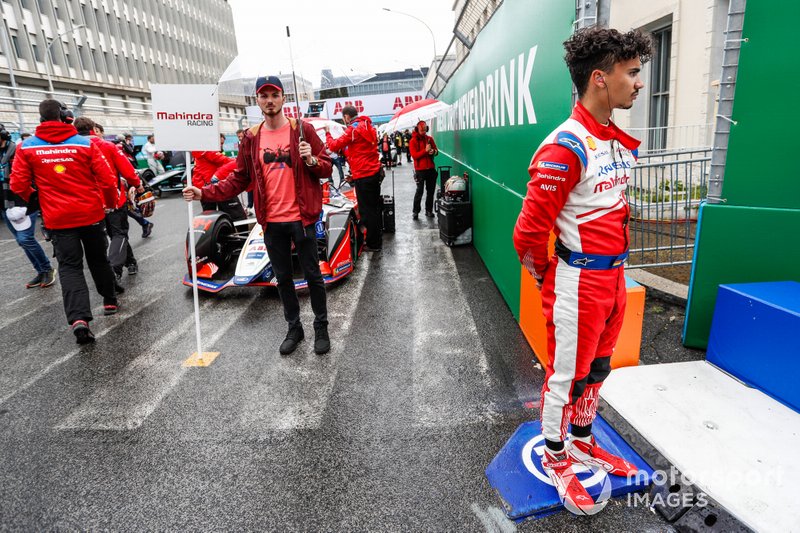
(118, 276)
(147, 230)
(110, 306)
(49, 277)
(429, 214)
(322, 343)
(293, 338)
(35, 282)
(415, 216)
(83, 335)
(133, 269)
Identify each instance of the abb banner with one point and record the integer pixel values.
(372, 105)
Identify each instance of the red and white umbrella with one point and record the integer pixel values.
(337, 130)
(410, 115)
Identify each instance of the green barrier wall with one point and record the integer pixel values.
(748, 239)
(733, 246)
(510, 93)
(758, 171)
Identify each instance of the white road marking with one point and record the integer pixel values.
(119, 319)
(54, 294)
(447, 348)
(126, 401)
(275, 403)
(493, 519)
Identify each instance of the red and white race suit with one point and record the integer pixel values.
(578, 179)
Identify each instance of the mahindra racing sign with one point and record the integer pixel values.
(186, 117)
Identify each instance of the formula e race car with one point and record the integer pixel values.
(233, 254)
(173, 180)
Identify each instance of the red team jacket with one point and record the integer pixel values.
(248, 173)
(120, 166)
(210, 164)
(361, 141)
(74, 181)
(417, 147)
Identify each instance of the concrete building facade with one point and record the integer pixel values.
(110, 51)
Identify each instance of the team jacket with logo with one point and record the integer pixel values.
(74, 181)
(578, 179)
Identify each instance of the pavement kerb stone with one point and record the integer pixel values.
(663, 288)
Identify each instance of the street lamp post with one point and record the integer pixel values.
(418, 20)
(49, 62)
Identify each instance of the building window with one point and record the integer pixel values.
(15, 40)
(659, 89)
(36, 54)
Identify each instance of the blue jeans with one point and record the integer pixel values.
(27, 241)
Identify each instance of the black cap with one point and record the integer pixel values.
(268, 81)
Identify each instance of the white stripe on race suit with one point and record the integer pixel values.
(565, 320)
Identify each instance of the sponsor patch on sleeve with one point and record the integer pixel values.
(552, 165)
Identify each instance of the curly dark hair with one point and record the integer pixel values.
(600, 48)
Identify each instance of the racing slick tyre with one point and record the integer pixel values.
(353, 231)
(221, 251)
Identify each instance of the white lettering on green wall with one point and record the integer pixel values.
(504, 96)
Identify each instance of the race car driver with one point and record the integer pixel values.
(578, 178)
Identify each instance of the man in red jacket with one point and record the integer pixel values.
(361, 141)
(579, 175)
(423, 149)
(211, 167)
(120, 253)
(286, 172)
(75, 187)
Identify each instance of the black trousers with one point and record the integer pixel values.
(426, 179)
(370, 203)
(233, 207)
(278, 238)
(70, 247)
(120, 252)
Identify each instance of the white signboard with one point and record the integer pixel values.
(186, 117)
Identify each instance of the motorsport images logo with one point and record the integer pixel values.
(589, 477)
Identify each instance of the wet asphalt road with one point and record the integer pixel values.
(391, 431)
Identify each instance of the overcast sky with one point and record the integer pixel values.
(340, 34)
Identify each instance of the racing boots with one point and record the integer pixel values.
(589, 453)
(322, 343)
(293, 338)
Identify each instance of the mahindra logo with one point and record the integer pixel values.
(610, 183)
(50, 151)
(163, 115)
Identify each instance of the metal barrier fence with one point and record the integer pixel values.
(664, 195)
(117, 115)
